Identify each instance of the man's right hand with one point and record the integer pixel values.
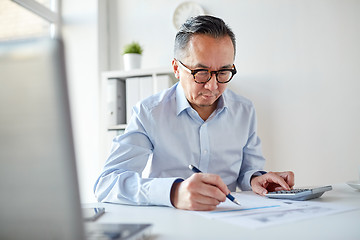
(201, 191)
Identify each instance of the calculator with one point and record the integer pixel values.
(300, 194)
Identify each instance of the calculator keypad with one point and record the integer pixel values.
(299, 193)
(291, 191)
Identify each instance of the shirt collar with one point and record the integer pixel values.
(181, 101)
(183, 104)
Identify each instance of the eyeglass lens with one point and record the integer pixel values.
(204, 76)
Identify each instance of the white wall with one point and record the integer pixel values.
(81, 44)
(297, 60)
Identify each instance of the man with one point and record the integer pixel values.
(198, 121)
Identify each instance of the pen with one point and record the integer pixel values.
(229, 196)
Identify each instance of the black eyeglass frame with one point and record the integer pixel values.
(193, 72)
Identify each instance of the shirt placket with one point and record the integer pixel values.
(204, 147)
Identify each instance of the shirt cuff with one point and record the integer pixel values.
(246, 186)
(257, 173)
(160, 191)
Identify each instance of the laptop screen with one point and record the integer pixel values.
(39, 197)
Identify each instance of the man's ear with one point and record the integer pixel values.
(175, 67)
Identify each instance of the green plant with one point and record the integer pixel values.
(133, 47)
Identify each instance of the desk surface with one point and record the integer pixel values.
(169, 223)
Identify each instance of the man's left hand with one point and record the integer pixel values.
(272, 181)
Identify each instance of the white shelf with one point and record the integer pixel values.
(117, 127)
(137, 73)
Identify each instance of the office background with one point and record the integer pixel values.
(298, 61)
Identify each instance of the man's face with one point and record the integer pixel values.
(204, 52)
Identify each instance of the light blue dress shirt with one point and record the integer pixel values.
(167, 131)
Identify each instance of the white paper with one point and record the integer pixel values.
(257, 211)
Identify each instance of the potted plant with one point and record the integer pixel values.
(132, 56)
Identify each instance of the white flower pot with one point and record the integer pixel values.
(132, 61)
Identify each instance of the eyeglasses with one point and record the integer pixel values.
(204, 75)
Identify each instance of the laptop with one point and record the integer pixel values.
(39, 193)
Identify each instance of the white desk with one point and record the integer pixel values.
(171, 224)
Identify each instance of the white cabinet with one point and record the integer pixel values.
(120, 90)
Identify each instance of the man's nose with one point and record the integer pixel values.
(212, 84)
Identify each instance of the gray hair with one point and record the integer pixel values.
(203, 24)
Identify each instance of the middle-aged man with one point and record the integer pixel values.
(197, 121)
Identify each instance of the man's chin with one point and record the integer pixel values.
(208, 104)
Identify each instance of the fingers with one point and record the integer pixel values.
(272, 181)
(259, 184)
(201, 202)
(214, 181)
(199, 192)
(260, 190)
(208, 186)
(288, 177)
(273, 177)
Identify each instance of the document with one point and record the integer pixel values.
(257, 211)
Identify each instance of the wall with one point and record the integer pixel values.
(297, 60)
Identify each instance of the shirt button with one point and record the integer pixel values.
(205, 151)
